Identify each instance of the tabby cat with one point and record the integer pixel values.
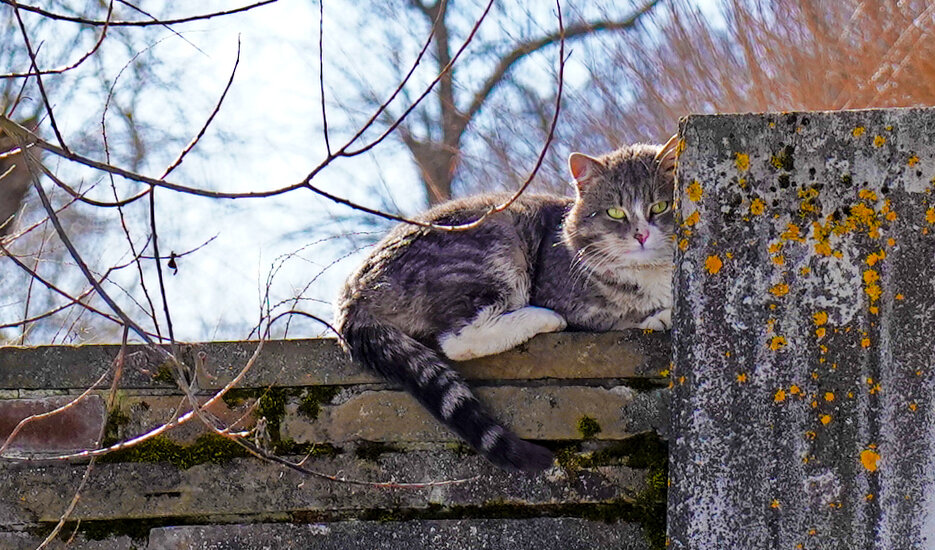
(599, 262)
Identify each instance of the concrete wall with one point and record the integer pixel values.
(804, 341)
(596, 399)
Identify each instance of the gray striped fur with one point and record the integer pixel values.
(423, 291)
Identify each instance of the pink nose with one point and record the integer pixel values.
(641, 237)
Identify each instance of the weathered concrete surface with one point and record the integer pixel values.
(248, 487)
(541, 533)
(804, 386)
(75, 428)
(549, 413)
(631, 354)
(27, 541)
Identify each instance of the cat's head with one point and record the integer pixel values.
(622, 216)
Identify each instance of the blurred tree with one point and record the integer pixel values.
(464, 99)
(765, 55)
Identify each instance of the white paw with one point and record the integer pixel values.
(494, 333)
(660, 320)
(546, 319)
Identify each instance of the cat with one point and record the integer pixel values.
(599, 262)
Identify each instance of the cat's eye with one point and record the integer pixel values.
(616, 213)
(659, 207)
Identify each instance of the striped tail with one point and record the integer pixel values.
(441, 390)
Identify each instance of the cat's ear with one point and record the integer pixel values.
(583, 168)
(665, 158)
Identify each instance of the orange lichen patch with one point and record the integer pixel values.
(794, 390)
(829, 396)
(874, 291)
(913, 407)
(713, 264)
(729, 255)
(823, 249)
(869, 496)
(683, 245)
(913, 160)
(814, 404)
(820, 318)
(779, 260)
(865, 343)
(810, 435)
(867, 194)
(780, 289)
(871, 276)
(694, 191)
(891, 242)
(875, 257)
(775, 248)
(692, 219)
(930, 216)
(808, 196)
(858, 131)
(774, 503)
(780, 396)
(874, 310)
(820, 332)
(878, 141)
(869, 459)
(777, 343)
(825, 419)
(792, 233)
(900, 297)
(742, 161)
(805, 270)
(742, 377)
(757, 207)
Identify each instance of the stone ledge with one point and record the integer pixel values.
(502, 534)
(567, 355)
(249, 487)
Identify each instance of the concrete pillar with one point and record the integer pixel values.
(804, 340)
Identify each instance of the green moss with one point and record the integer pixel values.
(289, 447)
(372, 450)
(271, 405)
(588, 427)
(207, 448)
(116, 419)
(314, 397)
(164, 374)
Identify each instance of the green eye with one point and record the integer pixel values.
(659, 207)
(616, 213)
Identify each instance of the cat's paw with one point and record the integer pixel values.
(542, 319)
(661, 320)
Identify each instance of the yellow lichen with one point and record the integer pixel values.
(742, 161)
(858, 131)
(779, 260)
(692, 219)
(820, 332)
(820, 318)
(713, 264)
(780, 396)
(823, 249)
(865, 343)
(869, 459)
(777, 343)
(874, 292)
(774, 503)
(913, 407)
(829, 396)
(794, 390)
(825, 419)
(871, 276)
(780, 289)
(913, 160)
(757, 207)
(683, 245)
(867, 194)
(878, 141)
(792, 233)
(742, 377)
(930, 216)
(694, 191)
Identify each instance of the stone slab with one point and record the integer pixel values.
(76, 427)
(544, 413)
(249, 487)
(502, 534)
(804, 398)
(630, 354)
(27, 541)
